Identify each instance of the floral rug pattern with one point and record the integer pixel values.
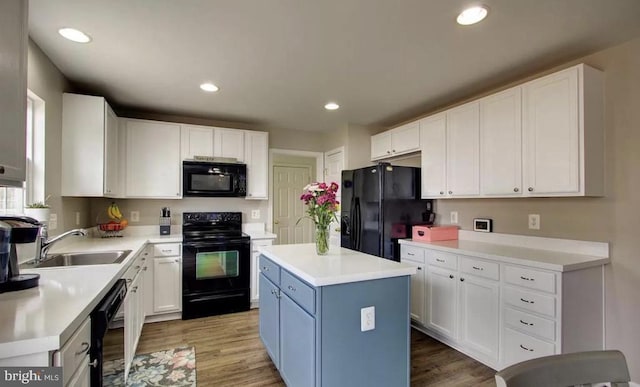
(173, 367)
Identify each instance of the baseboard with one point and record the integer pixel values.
(163, 317)
(634, 384)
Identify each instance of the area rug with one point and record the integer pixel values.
(173, 367)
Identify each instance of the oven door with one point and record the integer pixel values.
(215, 266)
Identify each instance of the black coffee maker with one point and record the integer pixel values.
(15, 230)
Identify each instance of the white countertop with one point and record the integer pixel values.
(43, 318)
(339, 266)
(540, 258)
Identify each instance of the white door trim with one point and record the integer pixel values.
(319, 156)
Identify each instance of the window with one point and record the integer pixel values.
(12, 200)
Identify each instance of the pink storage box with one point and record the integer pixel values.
(434, 233)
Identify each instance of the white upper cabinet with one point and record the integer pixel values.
(433, 138)
(229, 143)
(13, 95)
(256, 157)
(501, 144)
(563, 133)
(463, 139)
(196, 141)
(395, 142)
(89, 132)
(153, 159)
(213, 142)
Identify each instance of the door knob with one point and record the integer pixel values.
(276, 222)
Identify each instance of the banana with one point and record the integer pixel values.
(114, 212)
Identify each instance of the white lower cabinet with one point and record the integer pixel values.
(82, 377)
(501, 313)
(255, 269)
(164, 279)
(73, 356)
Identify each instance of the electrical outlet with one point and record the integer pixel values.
(53, 222)
(77, 218)
(255, 214)
(368, 318)
(534, 221)
(135, 216)
(454, 217)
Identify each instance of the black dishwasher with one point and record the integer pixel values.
(101, 316)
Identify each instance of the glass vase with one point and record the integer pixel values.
(322, 239)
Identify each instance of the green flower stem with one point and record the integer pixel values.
(322, 239)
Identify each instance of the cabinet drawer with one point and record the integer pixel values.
(75, 350)
(260, 242)
(486, 269)
(270, 269)
(299, 291)
(412, 253)
(520, 347)
(529, 278)
(166, 250)
(439, 258)
(530, 301)
(530, 324)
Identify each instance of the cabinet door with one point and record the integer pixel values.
(501, 144)
(13, 98)
(463, 148)
(111, 153)
(406, 138)
(196, 141)
(167, 285)
(257, 160)
(479, 315)
(297, 344)
(418, 293)
(381, 145)
(229, 143)
(82, 377)
(441, 300)
(433, 144)
(270, 318)
(551, 134)
(153, 159)
(255, 276)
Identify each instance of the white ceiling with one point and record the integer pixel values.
(277, 62)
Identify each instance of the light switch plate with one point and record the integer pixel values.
(368, 318)
(534, 221)
(255, 214)
(454, 217)
(135, 216)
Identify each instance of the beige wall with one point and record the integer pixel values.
(48, 83)
(614, 218)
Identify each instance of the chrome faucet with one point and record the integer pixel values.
(44, 244)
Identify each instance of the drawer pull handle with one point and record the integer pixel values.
(478, 268)
(165, 251)
(176, 260)
(145, 268)
(264, 268)
(291, 288)
(527, 278)
(440, 260)
(451, 276)
(134, 290)
(137, 267)
(85, 348)
(129, 280)
(419, 268)
(461, 279)
(421, 233)
(527, 301)
(525, 348)
(526, 323)
(411, 254)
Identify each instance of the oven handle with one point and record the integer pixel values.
(228, 242)
(215, 297)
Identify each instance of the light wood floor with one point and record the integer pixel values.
(229, 353)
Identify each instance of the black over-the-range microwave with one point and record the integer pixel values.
(214, 179)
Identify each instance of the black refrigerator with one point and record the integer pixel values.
(379, 206)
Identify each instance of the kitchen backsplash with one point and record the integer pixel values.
(149, 209)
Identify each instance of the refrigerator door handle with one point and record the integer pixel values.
(358, 223)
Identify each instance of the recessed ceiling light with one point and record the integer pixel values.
(210, 87)
(74, 35)
(332, 106)
(472, 15)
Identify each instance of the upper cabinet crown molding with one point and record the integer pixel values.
(13, 83)
(540, 139)
(396, 142)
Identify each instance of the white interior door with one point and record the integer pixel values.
(288, 182)
(333, 166)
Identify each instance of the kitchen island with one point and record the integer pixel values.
(340, 319)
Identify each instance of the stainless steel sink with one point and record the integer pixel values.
(88, 258)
